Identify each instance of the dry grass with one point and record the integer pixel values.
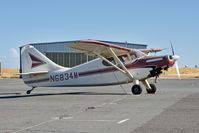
(184, 72)
(9, 73)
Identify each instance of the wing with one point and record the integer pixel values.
(102, 48)
(153, 50)
(104, 51)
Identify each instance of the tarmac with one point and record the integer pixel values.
(173, 109)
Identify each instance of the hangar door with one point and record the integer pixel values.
(69, 59)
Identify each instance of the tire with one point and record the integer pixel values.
(152, 90)
(136, 89)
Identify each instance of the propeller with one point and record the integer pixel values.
(175, 58)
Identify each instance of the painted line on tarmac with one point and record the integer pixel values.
(78, 112)
(69, 120)
(117, 100)
(101, 105)
(122, 121)
(42, 123)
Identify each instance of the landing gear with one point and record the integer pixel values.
(136, 89)
(152, 90)
(29, 91)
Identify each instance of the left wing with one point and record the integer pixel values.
(102, 48)
(104, 51)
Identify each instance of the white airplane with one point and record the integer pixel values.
(115, 65)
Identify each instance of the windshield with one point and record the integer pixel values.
(137, 54)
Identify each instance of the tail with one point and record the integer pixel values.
(34, 61)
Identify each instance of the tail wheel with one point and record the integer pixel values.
(136, 90)
(152, 90)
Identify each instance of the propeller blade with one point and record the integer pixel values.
(172, 48)
(175, 58)
(177, 69)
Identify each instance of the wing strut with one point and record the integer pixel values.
(122, 65)
(103, 58)
(124, 70)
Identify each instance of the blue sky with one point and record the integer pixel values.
(152, 22)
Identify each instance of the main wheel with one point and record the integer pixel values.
(136, 89)
(152, 90)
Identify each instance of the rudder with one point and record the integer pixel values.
(33, 61)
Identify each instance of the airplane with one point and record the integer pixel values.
(115, 65)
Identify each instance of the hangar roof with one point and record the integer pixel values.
(61, 42)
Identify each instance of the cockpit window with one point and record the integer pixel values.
(123, 58)
(137, 54)
(110, 59)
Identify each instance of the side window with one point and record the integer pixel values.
(106, 63)
(133, 56)
(124, 58)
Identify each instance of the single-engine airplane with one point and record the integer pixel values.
(115, 65)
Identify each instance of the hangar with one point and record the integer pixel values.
(59, 53)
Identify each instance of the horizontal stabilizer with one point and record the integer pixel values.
(34, 73)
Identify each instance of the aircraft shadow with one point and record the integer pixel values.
(9, 93)
(19, 95)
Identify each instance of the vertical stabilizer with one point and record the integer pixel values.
(34, 61)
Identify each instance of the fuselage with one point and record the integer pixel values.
(99, 73)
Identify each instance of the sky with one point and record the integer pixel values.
(151, 22)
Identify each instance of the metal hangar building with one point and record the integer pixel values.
(59, 53)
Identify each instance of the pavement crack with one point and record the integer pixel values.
(90, 108)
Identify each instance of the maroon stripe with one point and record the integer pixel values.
(137, 64)
(86, 73)
(37, 62)
(112, 69)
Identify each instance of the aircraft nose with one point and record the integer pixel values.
(171, 60)
(176, 57)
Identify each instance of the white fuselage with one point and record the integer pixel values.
(92, 73)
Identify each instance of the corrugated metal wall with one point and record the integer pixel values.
(52, 47)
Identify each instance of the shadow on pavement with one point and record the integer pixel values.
(19, 95)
